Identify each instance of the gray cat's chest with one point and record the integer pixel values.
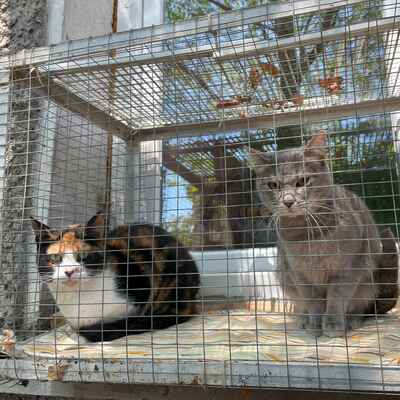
(312, 260)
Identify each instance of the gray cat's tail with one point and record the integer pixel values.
(386, 275)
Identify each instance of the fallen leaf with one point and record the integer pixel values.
(298, 100)
(227, 103)
(243, 99)
(332, 84)
(57, 372)
(270, 69)
(9, 341)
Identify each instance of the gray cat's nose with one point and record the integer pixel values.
(288, 200)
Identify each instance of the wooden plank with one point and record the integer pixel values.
(164, 392)
(307, 375)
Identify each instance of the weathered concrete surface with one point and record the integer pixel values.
(22, 25)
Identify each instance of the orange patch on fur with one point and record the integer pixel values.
(69, 243)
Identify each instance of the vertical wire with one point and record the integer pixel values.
(153, 307)
(337, 251)
(383, 94)
(255, 294)
(125, 208)
(310, 232)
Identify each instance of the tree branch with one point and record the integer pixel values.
(170, 162)
(220, 5)
(327, 23)
(229, 8)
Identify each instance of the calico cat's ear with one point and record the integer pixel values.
(96, 226)
(42, 232)
(259, 160)
(317, 148)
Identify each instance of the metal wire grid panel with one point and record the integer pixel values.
(155, 126)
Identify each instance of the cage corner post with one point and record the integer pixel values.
(144, 157)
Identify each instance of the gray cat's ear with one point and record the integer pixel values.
(259, 160)
(42, 231)
(317, 148)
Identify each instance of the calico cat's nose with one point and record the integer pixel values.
(288, 200)
(69, 273)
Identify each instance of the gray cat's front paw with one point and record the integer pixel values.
(301, 321)
(333, 326)
(314, 326)
(354, 322)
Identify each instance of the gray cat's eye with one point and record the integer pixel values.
(304, 181)
(273, 185)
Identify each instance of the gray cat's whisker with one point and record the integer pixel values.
(325, 207)
(310, 230)
(317, 225)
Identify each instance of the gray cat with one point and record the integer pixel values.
(333, 264)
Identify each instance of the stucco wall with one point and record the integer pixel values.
(22, 25)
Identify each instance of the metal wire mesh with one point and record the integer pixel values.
(154, 126)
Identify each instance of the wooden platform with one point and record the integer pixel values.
(245, 346)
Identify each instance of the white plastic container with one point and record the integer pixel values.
(238, 273)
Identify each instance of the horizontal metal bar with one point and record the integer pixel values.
(252, 48)
(369, 107)
(232, 51)
(124, 60)
(65, 98)
(153, 34)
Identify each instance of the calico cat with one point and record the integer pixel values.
(333, 265)
(132, 279)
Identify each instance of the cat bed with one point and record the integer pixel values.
(238, 338)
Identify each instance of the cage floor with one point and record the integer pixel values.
(235, 348)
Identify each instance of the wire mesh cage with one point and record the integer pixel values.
(177, 180)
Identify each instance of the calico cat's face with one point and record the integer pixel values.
(294, 182)
(70, 255)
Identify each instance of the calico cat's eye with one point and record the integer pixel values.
(303, 182)
(273, 185)
(82, 256)
(55, 258)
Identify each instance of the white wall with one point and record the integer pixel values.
(75, 19)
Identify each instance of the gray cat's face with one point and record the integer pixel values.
(294, 182)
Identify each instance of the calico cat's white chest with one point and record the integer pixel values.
(90, 300)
